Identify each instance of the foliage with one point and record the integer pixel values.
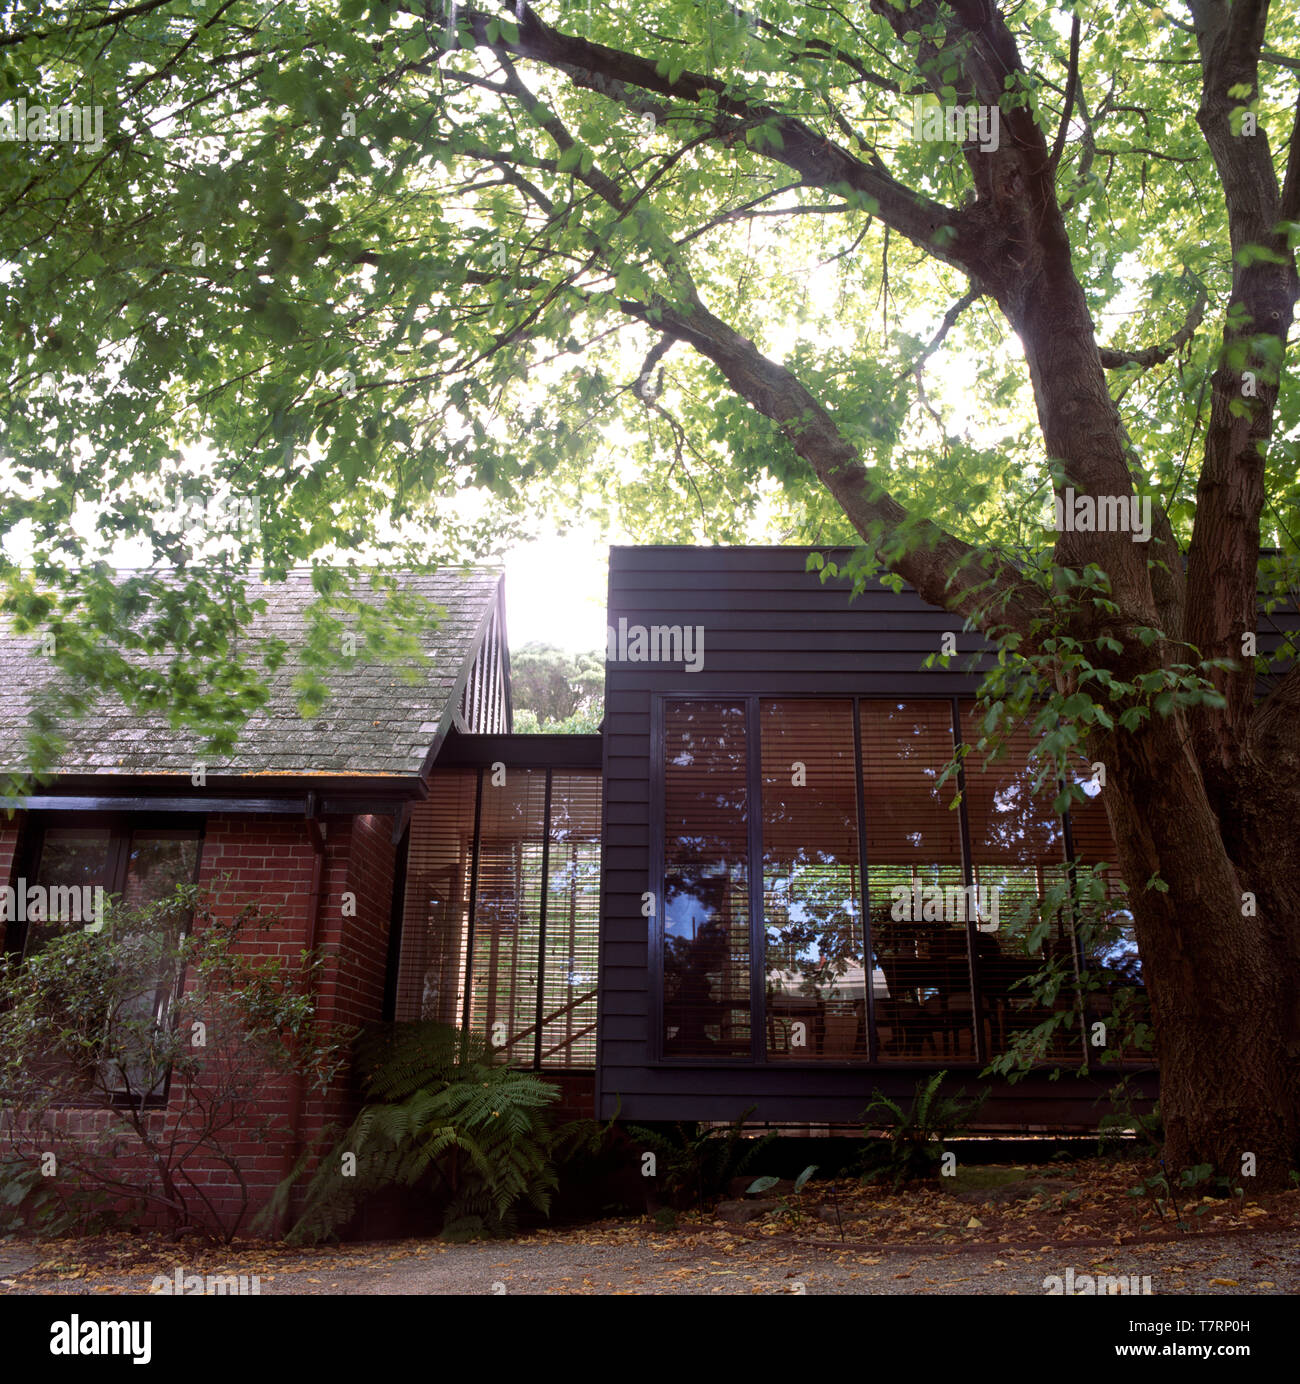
(1101, 1000)
(320, 273)
(163, 1021)
(1123, 1117)
(699, 1160)
(793, 1211)
(914, 1145)
(50, 1206)
(442, 1114)
(555, 692)
(1198, 1187)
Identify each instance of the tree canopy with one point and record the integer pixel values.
(370, 257)
(554, 691)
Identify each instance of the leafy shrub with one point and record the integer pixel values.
(1106, 988)
(914, 1146)
(1193, 1184)
(793, 1210)
(442, 1114)
(158, 1000)
(697, 1164)
(49, 1205)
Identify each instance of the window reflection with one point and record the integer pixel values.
(706, 881)
(812, 900)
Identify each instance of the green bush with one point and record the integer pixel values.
(698, 1161)
(914, 1146)
(159, 1008)
(442, 1114)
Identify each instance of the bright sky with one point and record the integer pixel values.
(556, 589)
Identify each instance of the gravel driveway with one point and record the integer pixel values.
(561, 1262)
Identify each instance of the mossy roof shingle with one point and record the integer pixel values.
(374, 721)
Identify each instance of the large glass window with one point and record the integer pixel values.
(812, 883)
(70, 862)
(895, 919)
(439, 876)
(140, 865)
(503, 973)
(1018, 860)
(1108, 945)
(919, 935)
(706, 956)
(501, 924)
(572, 948)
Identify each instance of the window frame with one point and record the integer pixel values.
(121, 827)
(524, 1053)
(656, 923)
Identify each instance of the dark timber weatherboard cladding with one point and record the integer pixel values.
(771, 628)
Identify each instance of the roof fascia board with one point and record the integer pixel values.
(452, 710)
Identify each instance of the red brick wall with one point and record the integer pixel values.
(268, 861)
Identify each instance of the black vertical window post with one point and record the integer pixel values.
(541, 924)
(968, 879)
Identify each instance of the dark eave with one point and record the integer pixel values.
(280, 795)
(521, 751)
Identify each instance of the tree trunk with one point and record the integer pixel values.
(1223, 991)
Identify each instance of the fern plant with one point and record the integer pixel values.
(442, 1113)
(914, 1146)
(700, 1161)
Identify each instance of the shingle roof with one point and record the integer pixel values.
(373, 723)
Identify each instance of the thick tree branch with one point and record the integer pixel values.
(1275, 729)
(944, 570)
(1114, 359)
(1224, 555)
(1012, 243)
(820, 162)
(1071, 85)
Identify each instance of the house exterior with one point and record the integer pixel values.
(307, 820)
(754, 890)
